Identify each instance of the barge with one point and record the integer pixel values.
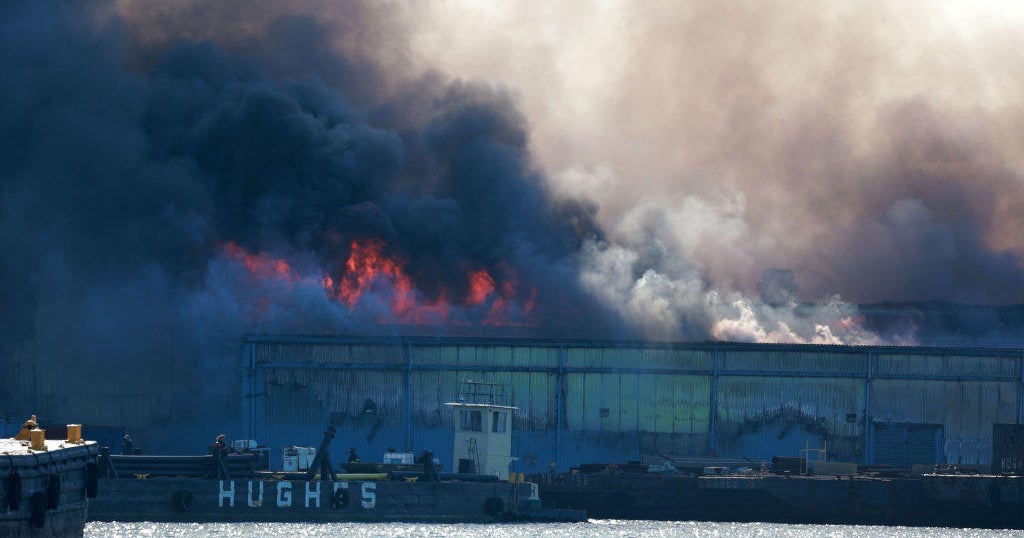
(47, 483)
(226, 487)
(837, 494)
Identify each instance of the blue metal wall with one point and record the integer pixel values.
(583, 402)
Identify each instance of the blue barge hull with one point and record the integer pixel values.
(940, 500)
(271, 499)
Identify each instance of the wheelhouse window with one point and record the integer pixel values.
(498, 422)
(471, 421)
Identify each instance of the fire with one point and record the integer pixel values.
(260, 265)
(370, 278)
(481, 286)
(367, 266)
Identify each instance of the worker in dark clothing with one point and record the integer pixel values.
(352, 456)
(127, 445)
(219, 449)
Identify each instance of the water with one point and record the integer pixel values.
(595, 528)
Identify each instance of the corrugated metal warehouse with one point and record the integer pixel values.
(579, 401)
(583, 402)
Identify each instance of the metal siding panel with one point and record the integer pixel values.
(650, 402)
(576, 390)
(968, 409)
(383, 354)
(427, 397)
(764, 416)
(915, 401)
(793, 362)
(502, 357)
(658, 406)
(691, 401)
(542, 392)
(629, 395)
(947, 365)
(535, 450)
(599, 392)
(441, 355)
(662, 409)
(690, 359)
(637, 358)
(544, 357)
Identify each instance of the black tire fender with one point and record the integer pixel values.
(39, 503)
(13, 491)
(494, 506)
(340, 498)
(183, 500)
(53, 491)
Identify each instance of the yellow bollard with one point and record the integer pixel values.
(75, 433)
(38, 439)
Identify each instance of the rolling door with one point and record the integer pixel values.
(900, 444)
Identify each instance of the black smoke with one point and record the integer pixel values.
(128, 168)
(123, 159)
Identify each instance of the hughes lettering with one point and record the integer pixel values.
(309, 494)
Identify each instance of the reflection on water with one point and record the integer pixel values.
(595, 528)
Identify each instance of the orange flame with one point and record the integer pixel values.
(260, 265)
(368, 270)
(366, 266)
(481, 286)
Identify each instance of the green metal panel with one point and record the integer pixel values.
(629, 395)
(640, 358)
(330, 353)
(967, 409)
(673, 404)
(535, 399)
(583, 401)
(786, 360)
(917, 365)
(430, 391)
(621, 397)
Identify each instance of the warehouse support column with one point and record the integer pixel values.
(559, 405)
(408, 397)
(1020, 393)
(249, 388)
(869, 449)
(713, 406)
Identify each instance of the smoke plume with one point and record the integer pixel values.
(661, 170)
(872, 150)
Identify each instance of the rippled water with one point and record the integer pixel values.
(595, 528)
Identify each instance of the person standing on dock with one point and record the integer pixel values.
(352, 456)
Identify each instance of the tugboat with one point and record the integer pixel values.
(227, 487)
(47, 483)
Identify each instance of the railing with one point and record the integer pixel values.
(475, 392)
